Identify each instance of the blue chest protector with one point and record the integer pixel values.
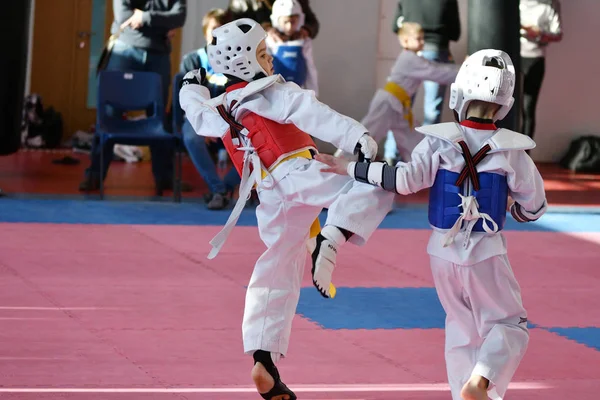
(444, 201)
(290, 63)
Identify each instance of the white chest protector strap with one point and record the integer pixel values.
(470, 213)
(247, 182)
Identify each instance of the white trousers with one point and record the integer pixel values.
(486, 325)
(290, 200)
(386, 113)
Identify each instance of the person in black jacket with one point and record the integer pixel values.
(143, 45)
(441, 23)
(260, 11)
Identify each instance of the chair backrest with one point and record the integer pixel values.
(129, 91)
(177, 111)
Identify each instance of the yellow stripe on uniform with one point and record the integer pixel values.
(398, 92)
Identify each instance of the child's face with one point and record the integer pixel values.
(414, 41)
(212, 25)
(290, 24)
(265, 60)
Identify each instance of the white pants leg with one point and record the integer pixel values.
(354, 206)
(383, 109)
(274, 289)
(462, 338)
(290, 200)
(486, 325)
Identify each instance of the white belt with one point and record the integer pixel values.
(246, 184)
(470, 213)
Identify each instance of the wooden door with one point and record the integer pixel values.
(61, 64)
(56, 58)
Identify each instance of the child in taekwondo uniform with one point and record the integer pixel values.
(266, 124)
(293, 56)
(391, 107)
(471, 168)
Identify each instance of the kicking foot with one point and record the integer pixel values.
(475, 389)
(267, 380)
(323, 259)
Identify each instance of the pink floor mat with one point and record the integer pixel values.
(138, 312)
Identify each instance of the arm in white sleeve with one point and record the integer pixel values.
(203, 117)
(426, 70)
(405, 178)
(312, 82)
(526, 187)
(301, 108)
(554, 32)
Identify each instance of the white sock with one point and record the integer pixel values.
(275, 357)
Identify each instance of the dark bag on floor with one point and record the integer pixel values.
(41, 127)
(583, 155)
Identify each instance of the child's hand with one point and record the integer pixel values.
(275, 35)
(336, 165)
(135, 21)
(531, 32)
(303, 33)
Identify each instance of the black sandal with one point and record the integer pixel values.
(279, 389)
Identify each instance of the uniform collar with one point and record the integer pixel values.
(236, 86)
(479, 123)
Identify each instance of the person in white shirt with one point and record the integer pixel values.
(292, 56)
(391, 107)
(540, 26)
(265, 124)
(472, 168)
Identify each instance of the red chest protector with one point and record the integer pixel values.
(272, 141)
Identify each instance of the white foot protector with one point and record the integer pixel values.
(324, 259)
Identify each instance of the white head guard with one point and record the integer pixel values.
(286, 8)
(478, 81)
(233, 49)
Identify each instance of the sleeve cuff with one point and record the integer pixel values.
(351, 168)
(146, 18)
(522, 215)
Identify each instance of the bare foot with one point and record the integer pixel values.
(264, 381)
(475, 389)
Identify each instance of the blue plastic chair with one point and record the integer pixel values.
(132, 91)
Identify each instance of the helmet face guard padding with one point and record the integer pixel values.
(286, 8)
(476, 81)
(233, 49)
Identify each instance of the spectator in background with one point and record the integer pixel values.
(199, 58)
(540, 25)
(441, 23)
(221, 190)
(143, 45)
(260, 11)
(292, 58)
